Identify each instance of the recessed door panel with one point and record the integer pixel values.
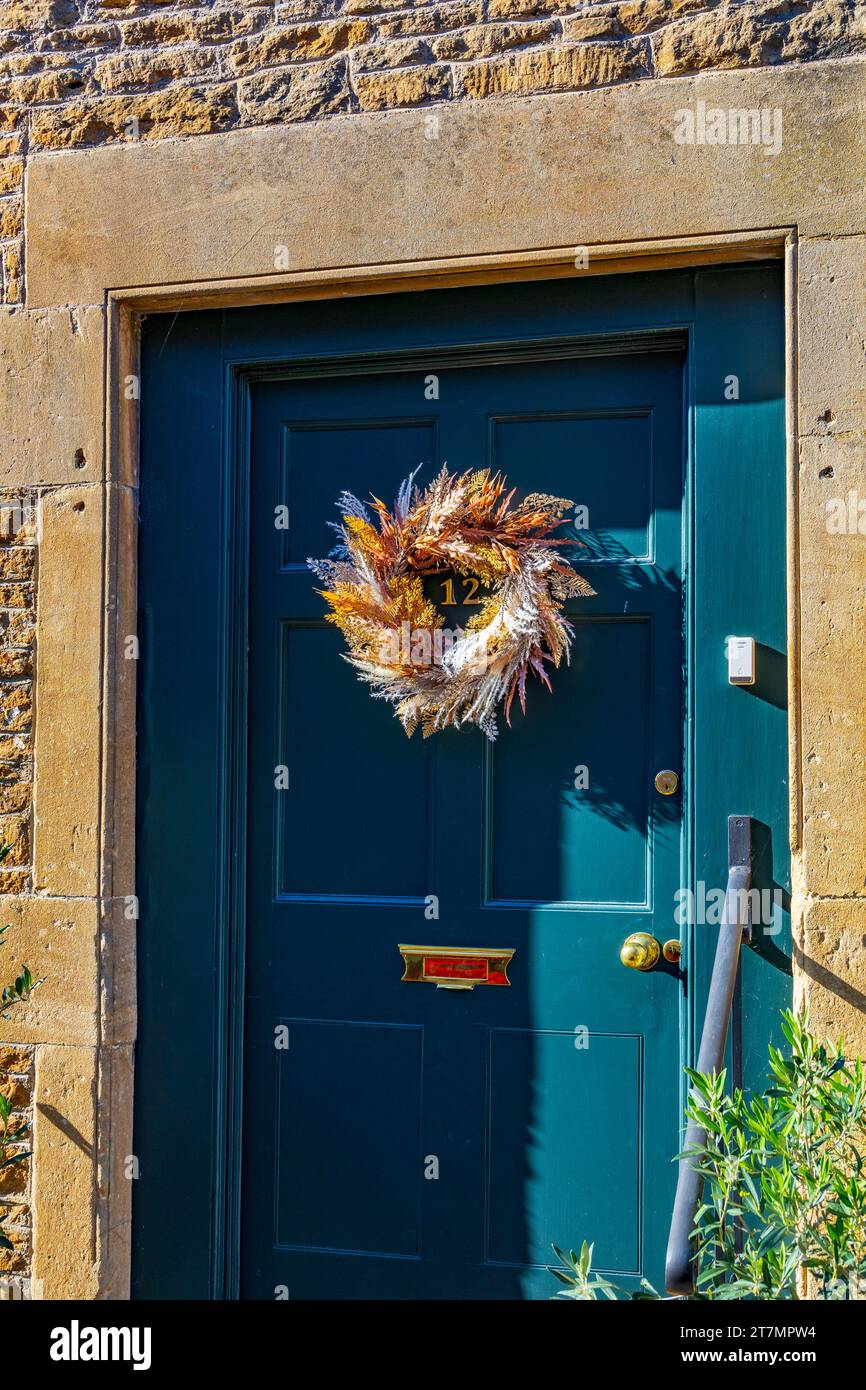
(580, 456)
(324, 830)
(346, 1172)
(581, 1151)
(368, 454)
(568, 798)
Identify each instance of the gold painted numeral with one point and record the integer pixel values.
(470, 585)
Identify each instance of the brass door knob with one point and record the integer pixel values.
(640, 951)
(666, 782)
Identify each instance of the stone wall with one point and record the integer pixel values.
(89, 72)
(16, 1082)
(17, 628)
(18, 534)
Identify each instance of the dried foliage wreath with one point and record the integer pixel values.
(466, 524)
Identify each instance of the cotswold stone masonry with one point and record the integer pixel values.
(88, 72)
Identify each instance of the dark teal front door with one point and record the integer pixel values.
(525, 1107)
(349, 1134)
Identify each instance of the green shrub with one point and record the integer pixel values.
(784, 1182)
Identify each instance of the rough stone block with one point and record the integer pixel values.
(16, 1260)
(638, 16)
(294, 44)
(506, 9)
(156, 115)
(85, 36)
(377, 91)
(129, 70)
(31, 14)
(16, 1059)
(16, 748)
(16, 563)
(14, 796)
(11, 218)
(13, 278)
(431, 19)
(17, 628)
(16, 706)
(390, 53)
(481, 40)
(15, 833)
(295, 94)
(758, 33)
(556, 69)
(11, 175)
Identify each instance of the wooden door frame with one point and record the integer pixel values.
(238, 379)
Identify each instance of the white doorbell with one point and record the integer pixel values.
(741, 660)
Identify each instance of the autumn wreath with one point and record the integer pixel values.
(466, 524)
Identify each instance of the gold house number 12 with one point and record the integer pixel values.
(470, 586)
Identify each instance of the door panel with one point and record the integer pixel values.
(347, 1153)
(318, 848)
(589, 844)
(587, 1121)
(461, 1129)
(620, 442)
(551, 1106)
(372, 451)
